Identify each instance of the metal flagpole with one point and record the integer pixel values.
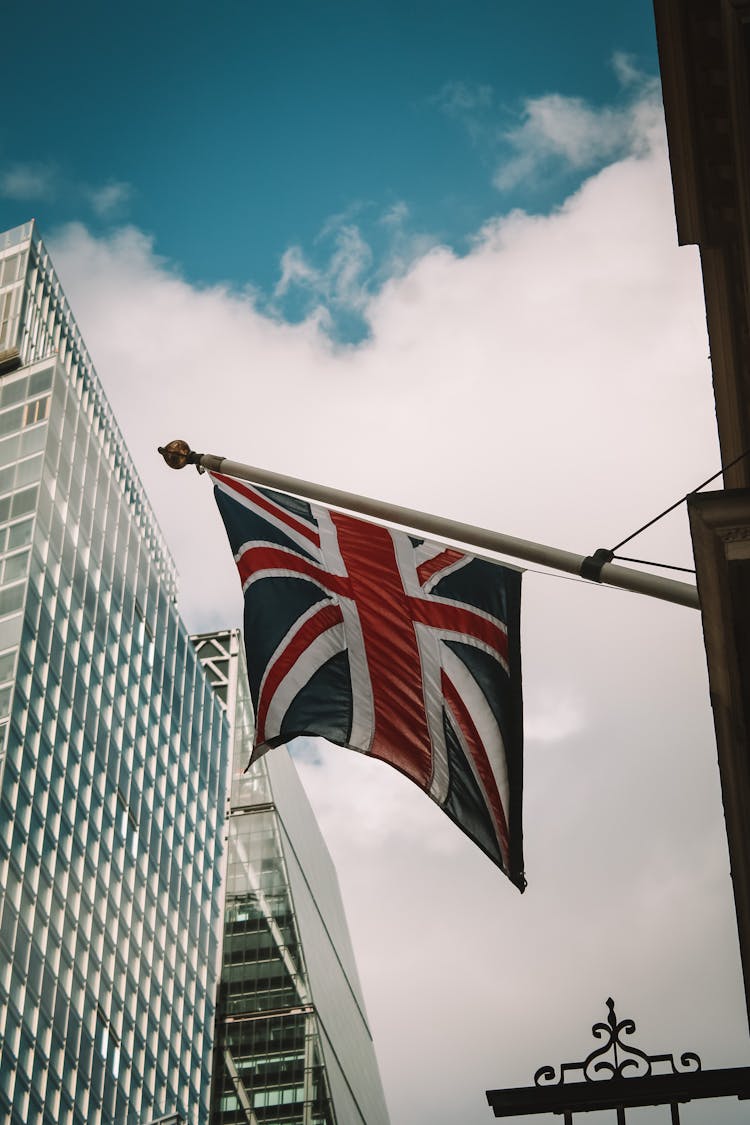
(596, 567)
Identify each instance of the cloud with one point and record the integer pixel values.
(346, 276)
(629, 74)
(348, 264)
(354, 253)
(558, 127)
(28, 182)
(553, 133)
(296, 270)
(39, 181)
(327, 294)
(457, 98)
(470, 105)
(530, 386)
(553, 721)
(110, 198)
(396, 215)
(342, 280)
(563, 131)
(467, 103)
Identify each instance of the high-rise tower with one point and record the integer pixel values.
(113, 753)
(292, 1042)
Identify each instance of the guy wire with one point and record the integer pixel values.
(672, 507)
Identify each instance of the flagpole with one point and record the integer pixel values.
(596, 567)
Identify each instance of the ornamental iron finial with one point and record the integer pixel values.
(617, 1059)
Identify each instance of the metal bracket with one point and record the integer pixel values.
(592, 565)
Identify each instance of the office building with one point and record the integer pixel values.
(113, 753)
(292, 1041)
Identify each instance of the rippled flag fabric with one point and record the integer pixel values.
(391, 645)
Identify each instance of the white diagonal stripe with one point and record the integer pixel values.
(321, 650)
(363, 707)
(304, 543)
(484, 720)
(430, 656)
(449, 568)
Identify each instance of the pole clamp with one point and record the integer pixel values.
(592, 565)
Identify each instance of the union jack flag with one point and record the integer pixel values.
(400, 648)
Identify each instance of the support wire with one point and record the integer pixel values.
(671, 508)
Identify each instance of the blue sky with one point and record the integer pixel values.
(475, 199)
(233, 132)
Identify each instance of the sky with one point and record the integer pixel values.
(427, 252)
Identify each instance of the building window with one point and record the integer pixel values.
(36, 411)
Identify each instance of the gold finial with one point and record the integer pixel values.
(178, 454)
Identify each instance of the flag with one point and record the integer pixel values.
(400, 648)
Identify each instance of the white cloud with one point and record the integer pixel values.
(553, 720)
(470, 104)
(296, 270)
(349, 263)
(40, 181)
(553, 133)
(348, 274)
(28, 182)
(556, 128)
(557, 131)
(630, 75)
(528, 386)
(109, 199)
(342, 283)
(396, 215)
(457, 98)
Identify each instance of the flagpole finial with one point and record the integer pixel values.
(178, 454)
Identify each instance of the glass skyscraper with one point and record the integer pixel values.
(113, 753)
(292, 1042)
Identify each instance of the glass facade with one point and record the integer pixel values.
(292, 1042)
(113, 753)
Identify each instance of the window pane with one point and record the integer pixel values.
(33, 440)
(20, 534)
(16, 566)
(7, 661)
(10, 421)
(6, 478)
(28, 471)
(14, 392)
(8, 450)
(24, 502)
(11, 599)
(41, 381)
